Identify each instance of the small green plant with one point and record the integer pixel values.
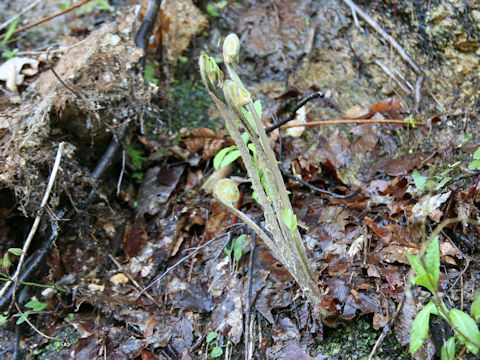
(6, 262)
(410, 120)
(236, 248)
(212, 8)
(6, 53)
(243, 122)
(466, 139)
(466, 332)
(435, 182)
(182, 59)
(95, 5)
(475, 164)
(35, 306)
(137, 160)
(215, 350)
(3, 317)
(149, 69)
(64, 5)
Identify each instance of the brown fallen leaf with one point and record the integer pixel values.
(386, 106)
(134, 239)
(205, 139)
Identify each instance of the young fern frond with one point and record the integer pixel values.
(238, 109)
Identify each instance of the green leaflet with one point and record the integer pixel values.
(420, 325)
(465, 325)
(448, 350)
(475, 308)
(36, 305)
(236, 248)
(225, 157)
(419, 180)
(432, 261)
(424, 280)
(211, 336)
(416, 264)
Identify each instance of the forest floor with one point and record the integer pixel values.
(134, 259)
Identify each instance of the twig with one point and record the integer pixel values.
(141, 40)
(182, 260)
(59, 78)
(137, 285)
(105, 162)
(28, 8)
(119, 183)
(294, 110)
(403, 54)
(385, 331)
(355, 121)
(33, 262)
(108, 156)
(248, 337)
(317, 189)
(33, 327)
(36, 222)
(394, 76)
(17, 351)
(46, 48)
(47, 18)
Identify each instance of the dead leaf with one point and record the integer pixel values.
(447, 249)
(227, 316)
(285, 329)
(386, 106)
(380, 321)
(182, 336)
(336, 149)
(203, 138)
(372, 271)
(300, 118)
(357, 112)
(288, 350)
(429, 205)
(383, 233)
(356, 247)
(119, 279)
(13, 73)
(367, 138)
(394, 253)
(402, 165)
(133, 240)
(156, 188)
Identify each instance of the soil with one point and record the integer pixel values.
(143, 265)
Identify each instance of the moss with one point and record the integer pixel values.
(190, 104)
(355, 341)
(69, 337)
